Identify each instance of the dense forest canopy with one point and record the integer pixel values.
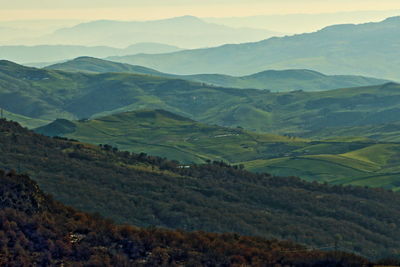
(35, 230)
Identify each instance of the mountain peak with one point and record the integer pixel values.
(86, 58)
(188, 18)
(301, 74)
(57, 128)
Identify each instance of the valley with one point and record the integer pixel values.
(199, 133)
(49, 94)
(350, 161)
(280, 133)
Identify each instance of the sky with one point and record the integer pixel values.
(157, 9)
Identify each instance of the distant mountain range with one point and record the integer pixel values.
(303, 22)
(15, 32)
(186, 31)
(277, 81)
(52, 53)
(369, 49)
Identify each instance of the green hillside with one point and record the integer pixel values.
(277, 81)
(168, 135)
(342, 161)
(369, 49)
(376, 165)
(388, 132)
(48, 94)
(149, 191)
(95, 65)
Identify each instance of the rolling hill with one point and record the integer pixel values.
(144, 191)
(369, 49)
(161, 133)
(374, 165)
(277, 81)
(97, 65)
(49, 94)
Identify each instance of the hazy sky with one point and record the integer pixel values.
(154, 9)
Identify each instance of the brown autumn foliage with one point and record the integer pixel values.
(36, 230)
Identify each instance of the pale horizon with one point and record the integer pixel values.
(161, 9)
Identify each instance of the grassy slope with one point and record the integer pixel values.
(165, 134)
(375, 165)
(388, 132)
(278, 81)
(345, 161)
(95, 65)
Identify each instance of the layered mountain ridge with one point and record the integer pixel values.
(368, 49)
(273, 80)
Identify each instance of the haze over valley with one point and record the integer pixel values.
(200, 133)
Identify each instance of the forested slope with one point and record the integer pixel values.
(35, 230)
(144, 191)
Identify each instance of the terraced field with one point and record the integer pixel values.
(376, 165)
(165, 134)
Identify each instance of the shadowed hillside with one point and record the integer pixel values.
(36, 230)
